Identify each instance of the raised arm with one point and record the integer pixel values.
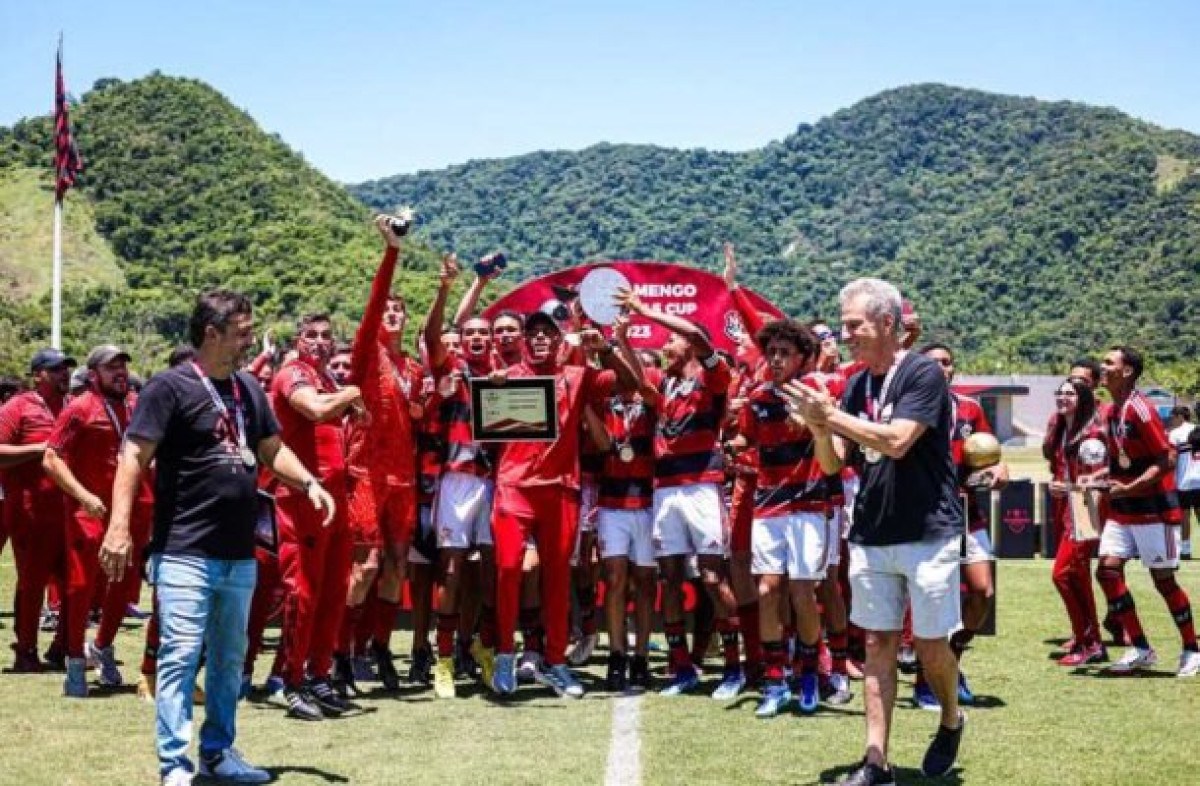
(751, 319)
(437, 312)
(676, 324)
(470, 301)
(367, 336)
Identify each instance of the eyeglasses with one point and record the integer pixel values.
(1065, 394)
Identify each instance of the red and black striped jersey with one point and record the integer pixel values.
(789, 477)
(690, 411)
(628, 485)
(461, 452)
(1135, 432)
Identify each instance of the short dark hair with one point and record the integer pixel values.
(1182, 411)
(215, 309)
(1092, 366)
(936, 345)
(309, 319)
(181, 354)
(798, 335)
(342, 348)
(9, 387)
(1132, 358)
(511, 314)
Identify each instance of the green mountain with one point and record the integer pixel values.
(182, 191)
(1025, 232)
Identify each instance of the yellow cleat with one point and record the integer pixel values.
(486, 658)
(443, 678)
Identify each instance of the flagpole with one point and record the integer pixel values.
(56, 280)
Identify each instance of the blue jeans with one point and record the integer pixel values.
(201, 602)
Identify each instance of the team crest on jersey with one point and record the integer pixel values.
(734, 328)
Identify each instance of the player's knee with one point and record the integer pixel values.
(1109, 575)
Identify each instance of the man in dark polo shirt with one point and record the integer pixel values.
(207, 426)
(894, 427)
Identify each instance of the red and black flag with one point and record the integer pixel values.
(67, 163)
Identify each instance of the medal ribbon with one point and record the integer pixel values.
(875, 409)
(236, 423)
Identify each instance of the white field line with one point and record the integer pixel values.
(624, 767)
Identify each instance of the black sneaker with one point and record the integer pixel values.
(55, 658)
(329, 700)
(343, 676)
(616, 681)
(869, 775)
(301, 705)
(420, 672)
(639, 672)
(944, 749)
(386, 668)
(465, 667)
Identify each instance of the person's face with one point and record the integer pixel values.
(827, 339)
(542, 342)
(866, 337)
(1084, 373)
(453, 343)
(339, 368)
(943, 359)
(112, 378)
(506, 332)
(477, 337)
(265, 375)
(677, 352)
(395, 316)
(1113, 370)
(784, 360)
(315, 341)
(1066, 400)
(234, 341)
(56, 379)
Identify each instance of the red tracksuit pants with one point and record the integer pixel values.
(549, 515)
(1073, 580)
(315, 562)
(37, 526)
(84, 537)
(269, 595)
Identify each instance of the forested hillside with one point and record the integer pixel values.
(187, 192)
(1026, 232)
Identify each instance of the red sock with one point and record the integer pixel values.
(751, 635)
(1181, 610)
(775, 658)
(839, 651)
(1121, 605)
(385, 621)
(729, 629)
(677, 645)
(447, 625)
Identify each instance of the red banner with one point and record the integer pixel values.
(696, 295)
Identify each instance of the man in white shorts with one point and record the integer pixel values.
(906, 539)
(1144, 516)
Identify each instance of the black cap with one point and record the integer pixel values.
(106, 353)
(543, 318)
(50, 358)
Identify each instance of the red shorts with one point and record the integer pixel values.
(380, 514)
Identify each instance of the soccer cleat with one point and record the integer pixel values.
(775, 698)
(1189, 664)
(486, 658)
(965, 696)
(360, 665)
(1096, 653)
(343, 676)
(924, 699)
(943, 750)
(386, 667)
(581, 652)
(146, 686)
(869, 775)
(616, 681)
(228, 765)
(331, 702)
(840, 692)
(301, 706)
(1134, 659)
(529, 667)
(55, 657)
(465, 666)
(685, 679)
(504, 677)
(75, 685)
(810, 693)
(180, 776)
(732, 683)
(420, 670)
(639, 672)
(443, 679)
(105, 659)
(562, 680)
(26, 661)
(274, 685)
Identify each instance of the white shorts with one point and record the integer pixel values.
(626, 533)
(1156, 544)
(837, 526)
(885, 579)
(795, 545)
(463, 511)
(689, 520)
(424, 522)
(978, 547)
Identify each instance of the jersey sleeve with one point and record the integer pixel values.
(367, 336)
(751, 319)
(10, 420)
(65, 433)
(1150, 429)
(979, 423)
(153, 413)
(717, 378)
(598, 385)
(290, 379)
(922, 398)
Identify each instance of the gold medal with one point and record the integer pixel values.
(871, 455)
(625, 453)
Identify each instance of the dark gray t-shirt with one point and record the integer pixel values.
(205, 498)
(915, 497)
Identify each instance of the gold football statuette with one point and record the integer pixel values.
(981, 451)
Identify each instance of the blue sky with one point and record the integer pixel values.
(367, 88)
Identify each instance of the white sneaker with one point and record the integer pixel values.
(581, 652)
(529, 667)
(841, 694)
(106, 661)
(178, 777)
(1189, 664)
(230, 766)
(1133, 660)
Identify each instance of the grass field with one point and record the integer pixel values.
(1036, 723)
